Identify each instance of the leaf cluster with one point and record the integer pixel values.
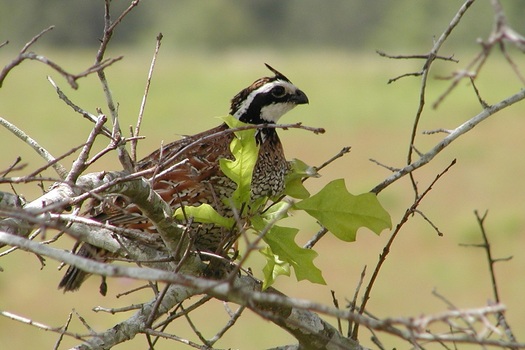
(334, 208)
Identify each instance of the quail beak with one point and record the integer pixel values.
(299, 98)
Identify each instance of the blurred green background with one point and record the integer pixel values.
(210, 51)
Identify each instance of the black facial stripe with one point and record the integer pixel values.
(243, 95)
(248, 104)
(253, 114)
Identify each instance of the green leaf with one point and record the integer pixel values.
(205, 214)
(342, 213)
(275, 212)
(281, 241)
(294, 180)
(274, 267)
(240, 170)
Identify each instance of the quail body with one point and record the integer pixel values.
(187, 171)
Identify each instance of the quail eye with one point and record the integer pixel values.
(278, 91)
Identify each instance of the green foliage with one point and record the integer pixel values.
(342, 213)
(240, 170)
(274, 267)
(294, 180)
(281, 241)
(334, 207)
(282, 251)
(205, 214)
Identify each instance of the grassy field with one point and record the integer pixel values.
(351, 99)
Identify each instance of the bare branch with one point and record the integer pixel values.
(313, 241)
(71, 78)
(61, 171)
(79, 165)
(39, 325)
(109, 28)
(231, 322)
(63, 195)
(426, 57)
(136, 132)
(454, 134)
(20, 58)
(423, 57)
(492, 261)
(91, 117)
(341, 153)
(388, 245)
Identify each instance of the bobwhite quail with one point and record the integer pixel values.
(198, 178)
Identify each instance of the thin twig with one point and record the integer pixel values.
(313, 241)
(454, 134)
(163, 324)
(392, 169)
(387, 247)
(429, 222)
(109, 28)
(70, 78)
(353, 304)
(336, 305)
(39, 325)
(341, 153)
(194, 328)
(117, 310)
(13, 167)
(61, 171)
(233, 130)
(153, 315)
(65, 327)
(418, 73)
(174, 337)
(136, 132)
(491, 262)
(20, 57)
(91, 117)
(231, 322)
(423, 57)
(80, 164)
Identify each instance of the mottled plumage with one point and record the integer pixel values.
(188, 172)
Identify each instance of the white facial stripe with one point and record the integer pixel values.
(272, 113)
(289, 87)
